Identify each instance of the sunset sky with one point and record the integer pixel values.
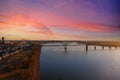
(60, 19)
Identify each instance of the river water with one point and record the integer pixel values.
(77, 64)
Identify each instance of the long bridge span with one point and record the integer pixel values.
(65, 43)
(11, 47)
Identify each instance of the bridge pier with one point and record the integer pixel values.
(95, 47)
(103, 47)
(86, 48)
(65, 48)
(109, 47)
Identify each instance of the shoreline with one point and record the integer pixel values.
(27, 66)
(35, 65)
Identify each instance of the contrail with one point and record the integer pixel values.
(62, 4)
(4, 19)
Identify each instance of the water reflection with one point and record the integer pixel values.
(74, 64)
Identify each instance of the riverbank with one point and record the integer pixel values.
(21, 66)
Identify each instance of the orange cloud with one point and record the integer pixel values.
(52, 19)
(22, 26)
(55, 20)
(94, 27)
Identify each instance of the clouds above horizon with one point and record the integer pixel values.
(52, 18)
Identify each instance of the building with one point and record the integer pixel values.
(2, 41)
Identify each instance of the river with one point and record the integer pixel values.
(77, 64)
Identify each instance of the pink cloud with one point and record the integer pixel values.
(40, 21)
(41, 18)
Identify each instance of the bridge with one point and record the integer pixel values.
(10, 47)
(65, 43)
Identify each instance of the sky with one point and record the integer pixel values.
(60, 19)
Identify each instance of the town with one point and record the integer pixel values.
(11, 47)
(20, 58)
